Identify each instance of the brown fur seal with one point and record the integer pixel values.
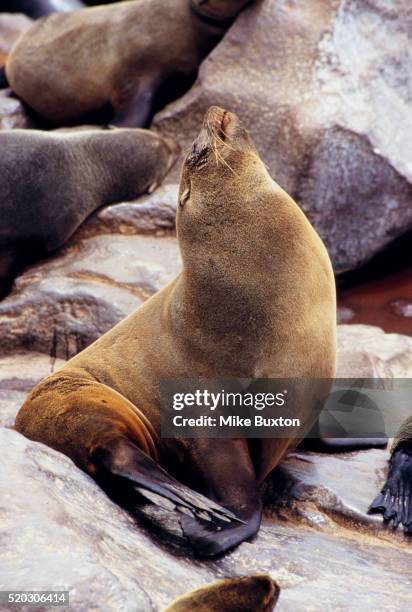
(394, 501)
(50, 182)
(248, 594)
(39, 8)
(119, 56)
(255, 299)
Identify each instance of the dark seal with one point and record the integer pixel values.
(51, 181)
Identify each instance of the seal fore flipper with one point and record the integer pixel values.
(394, 501)
(206, 541)
(148, 477)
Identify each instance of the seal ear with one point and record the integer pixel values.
(185, 196)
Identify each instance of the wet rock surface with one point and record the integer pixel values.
(19, 373)
(153, 213)
(60, 306)
(385, 302)
(319, 544)
(366, 351)
(324, 88)
(317, 539)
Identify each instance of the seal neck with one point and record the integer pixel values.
(122, 171)
(220, 320)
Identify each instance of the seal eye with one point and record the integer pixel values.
(184, 197)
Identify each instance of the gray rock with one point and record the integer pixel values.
(58, 530)
(367, 351)
(150, 213)
(60, 306)
(325, 89)
(61, 532)
(13, 113)
(19, 373)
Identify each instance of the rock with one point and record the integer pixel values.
(118, 258)
(11, 27)
(85, 543)
(366, 351)
(72, 537)
(324, 88)
(13, 113)
(150, 213)
(60, 306)
(19, 373)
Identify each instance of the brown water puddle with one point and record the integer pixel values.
(385, 302)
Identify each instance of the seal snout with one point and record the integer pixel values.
(221, 133)
(214, 118)
(220, 123)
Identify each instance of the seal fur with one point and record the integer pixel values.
(258, 593)
(255, 299)
(119, 56)
(51, 181)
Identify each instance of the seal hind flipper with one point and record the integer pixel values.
(394, 501)
(133, 109)
(206, 541)
(147, 476)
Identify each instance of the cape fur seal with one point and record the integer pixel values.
(394, 501)
(39, 8)
(115, 56)
(50, 182)
(250, 593)
(257, 287)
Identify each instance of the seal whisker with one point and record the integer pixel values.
(223, 161)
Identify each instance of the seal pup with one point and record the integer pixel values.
(256, 288)
(394, 501)
(258, 593)
(40, 8)
(119, 57)
(51, 181)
